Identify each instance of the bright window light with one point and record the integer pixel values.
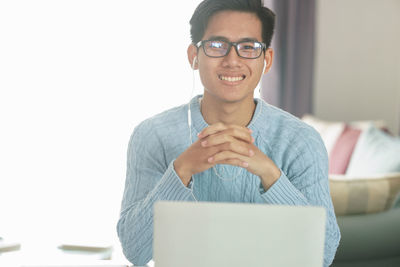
(75, 78)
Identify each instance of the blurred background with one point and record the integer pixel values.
(76, 77)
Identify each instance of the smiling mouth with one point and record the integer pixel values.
(232, 78)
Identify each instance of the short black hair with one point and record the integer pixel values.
(206, 9)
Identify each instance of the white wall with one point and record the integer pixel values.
(357, 66)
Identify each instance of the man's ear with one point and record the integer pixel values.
(192, 56)
(269, 56)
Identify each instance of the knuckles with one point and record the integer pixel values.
(219, 125)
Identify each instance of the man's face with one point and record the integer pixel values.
(232, 78)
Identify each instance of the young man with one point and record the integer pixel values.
(230, 147)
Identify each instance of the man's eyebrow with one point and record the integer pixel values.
(248, 40)
(222, 38)
(218, 38)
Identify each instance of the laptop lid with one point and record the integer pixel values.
(230, 234)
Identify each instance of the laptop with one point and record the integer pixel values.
(231, 234)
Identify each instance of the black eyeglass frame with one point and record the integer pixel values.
(234, 44)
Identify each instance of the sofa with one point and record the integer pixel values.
(364, 176)
(369, 240)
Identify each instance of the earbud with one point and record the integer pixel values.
(194, 62)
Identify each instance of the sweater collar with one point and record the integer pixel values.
(199, 123)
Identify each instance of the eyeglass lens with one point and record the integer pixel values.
(218, 48)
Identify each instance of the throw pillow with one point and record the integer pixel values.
(363, 125)
(375, 153)
(329, 131)
(342, 150)
(359, 195)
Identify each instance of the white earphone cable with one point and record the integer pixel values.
(190, 121)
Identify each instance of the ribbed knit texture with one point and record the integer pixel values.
(295, 147)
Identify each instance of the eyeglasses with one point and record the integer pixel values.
(220, 48)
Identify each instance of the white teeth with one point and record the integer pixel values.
(231, 79)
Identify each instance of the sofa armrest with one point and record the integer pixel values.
(369, 236)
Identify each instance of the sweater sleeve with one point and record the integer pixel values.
(148, 179)
(305, 182)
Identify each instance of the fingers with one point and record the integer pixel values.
(228, 157)
(236, 131)
(212, 129)
(232, 145)
(219, 134)
(235, 162)
(224, 138)
(227, 144)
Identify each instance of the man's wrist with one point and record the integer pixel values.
(270, 178)
(182, 174)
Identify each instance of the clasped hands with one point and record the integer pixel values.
(226, 144)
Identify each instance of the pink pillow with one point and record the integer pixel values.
(329, 131)
(342, 150)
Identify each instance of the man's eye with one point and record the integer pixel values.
(248, 46)
(216, 45)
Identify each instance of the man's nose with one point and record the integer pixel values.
(232, 58)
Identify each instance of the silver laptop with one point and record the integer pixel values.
(229, 234)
